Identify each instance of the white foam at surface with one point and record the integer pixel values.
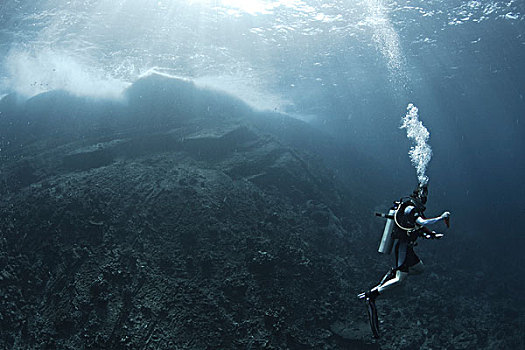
(32, 73)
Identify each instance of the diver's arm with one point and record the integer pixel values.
(425, 222)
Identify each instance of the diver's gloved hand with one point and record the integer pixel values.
(445, 215)
(433, 235)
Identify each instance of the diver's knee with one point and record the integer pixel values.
(401, 276)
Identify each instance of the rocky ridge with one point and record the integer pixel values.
(168, 224)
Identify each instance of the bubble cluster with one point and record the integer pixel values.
(420, 153)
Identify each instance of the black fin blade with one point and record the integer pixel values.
(372, 316)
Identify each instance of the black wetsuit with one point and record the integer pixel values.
(405, 255)
(404, 248)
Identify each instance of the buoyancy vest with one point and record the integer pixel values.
(408, 222)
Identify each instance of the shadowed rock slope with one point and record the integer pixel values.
(192, 231)
(182, 219)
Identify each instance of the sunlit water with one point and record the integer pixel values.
(279, 51)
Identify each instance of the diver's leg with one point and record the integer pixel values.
(391, 279)
(396, 280)
(371, 296)
(373, 293)
(401, 272)
(399, 278)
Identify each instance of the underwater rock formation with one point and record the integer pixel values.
(174, 226)
(183, 219)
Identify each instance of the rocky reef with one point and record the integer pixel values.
(182, 219)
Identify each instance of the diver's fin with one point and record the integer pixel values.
(372, 316)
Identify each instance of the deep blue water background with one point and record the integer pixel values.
(348, 67)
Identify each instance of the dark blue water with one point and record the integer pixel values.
(347, 67)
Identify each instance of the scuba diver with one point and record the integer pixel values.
(405, 223)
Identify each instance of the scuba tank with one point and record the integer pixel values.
(395, 217)
(387, 240)
(392, 220)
